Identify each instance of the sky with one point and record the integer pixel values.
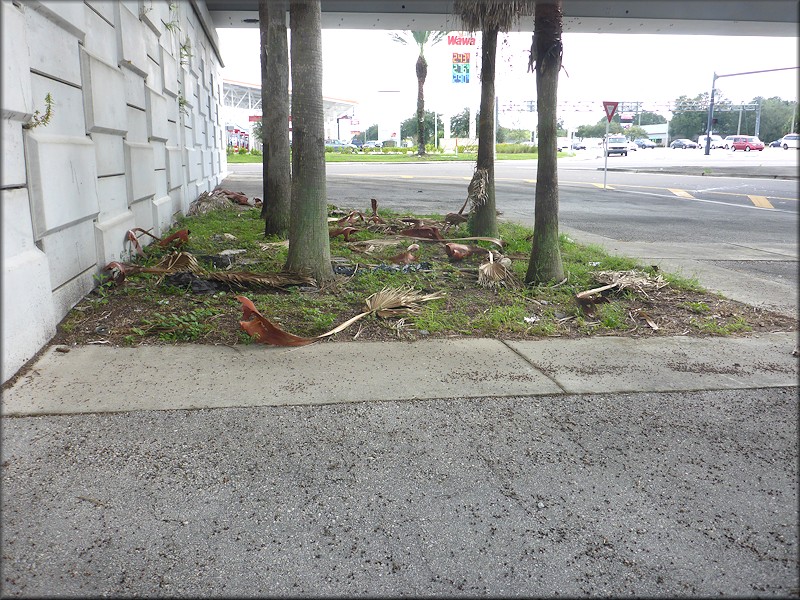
(363, 65)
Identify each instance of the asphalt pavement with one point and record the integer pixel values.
(602, 466)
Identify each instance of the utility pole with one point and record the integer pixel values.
(739, 126)
(758, 117)
(711, 103)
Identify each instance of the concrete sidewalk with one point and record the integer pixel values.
(200, 376)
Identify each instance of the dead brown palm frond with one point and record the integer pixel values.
(493, 274)
(246, 280)
(406, 257)
(386, 303)
(479, 14)
(398, 301)
(179, 261)
(637, 281)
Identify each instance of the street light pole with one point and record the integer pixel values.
(710, 116)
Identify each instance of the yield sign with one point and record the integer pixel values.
(610, 108)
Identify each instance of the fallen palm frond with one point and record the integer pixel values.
(178, 262)
(624, 280)
(407, 257)
(345, 232)
(386, 303)
(493, 274)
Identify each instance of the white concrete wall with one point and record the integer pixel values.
(134, 137)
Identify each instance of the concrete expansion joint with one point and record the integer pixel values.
(535, 366)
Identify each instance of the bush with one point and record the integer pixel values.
(242, 150)
(255, 152)
(516, 149)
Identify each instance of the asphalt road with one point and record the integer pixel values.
(648, 494)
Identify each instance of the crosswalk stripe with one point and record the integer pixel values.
(681, 193)
(760, 201)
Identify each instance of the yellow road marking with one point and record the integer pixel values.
(406, 177)
(600, 185)
(760, 201)
(529, 180)
(682, 194)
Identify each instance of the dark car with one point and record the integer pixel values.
(775, 144)
(578, 146)
(357, 143)
(683, 143)
(643, 143)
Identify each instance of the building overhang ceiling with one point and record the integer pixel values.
(677, 17)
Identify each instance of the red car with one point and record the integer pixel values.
(747, 143)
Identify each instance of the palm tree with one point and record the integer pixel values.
(309, 244)
(546, 51)
(275, 116)
(421, 39)
(491, 17)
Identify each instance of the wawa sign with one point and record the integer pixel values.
(460, 40)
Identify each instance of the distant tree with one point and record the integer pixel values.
(309, 243)
(408, 128)
(421, 39)
(459, 123)
(371, 133)
(634, 132)
(258, 131)
(513, 136)
(649, 118)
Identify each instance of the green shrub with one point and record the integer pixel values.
(242, 150)
(515, 149)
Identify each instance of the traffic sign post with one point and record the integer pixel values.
(610, 108)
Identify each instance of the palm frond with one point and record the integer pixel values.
(398, 301)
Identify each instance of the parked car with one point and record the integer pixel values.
(633, 147)
(616, 144)
(644, 143)
(357, 143)
(747, 143)
(716, 141)
(339, 145)
(776, 143)
(683, 143)
(578, 146)
(728, 141)
(372, 144)
(790, 140)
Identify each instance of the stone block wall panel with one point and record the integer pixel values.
(102, 41)
(17, 98)
(109, 153)
(60, 168)
(103, 96)
(133, 139)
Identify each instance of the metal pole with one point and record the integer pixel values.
(435, 132)
(707, 150)
(758, 117)
(739, 126)
(605, 152)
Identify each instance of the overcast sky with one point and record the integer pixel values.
(653, 69)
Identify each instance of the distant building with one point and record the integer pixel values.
(241, 107)
(658, 133)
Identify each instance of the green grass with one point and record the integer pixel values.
(467, 309)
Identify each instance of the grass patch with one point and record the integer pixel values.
(149, 308)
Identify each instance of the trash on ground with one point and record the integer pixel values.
(624, 280)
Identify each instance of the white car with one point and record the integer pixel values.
(372, 144)
(716, 141)
(790, 140)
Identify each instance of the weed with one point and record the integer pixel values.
(612, 315)
(698, 308)
(715, 327)
(38, 118)
(187, 327)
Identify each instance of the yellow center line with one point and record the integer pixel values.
(682, 193)
(760, 201)
(529, 180)
(406, 177)
(600, 185)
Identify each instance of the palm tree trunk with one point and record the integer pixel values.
(422, 74)
(309, 244)
(545, 262)
(483, 218)
(275, 116)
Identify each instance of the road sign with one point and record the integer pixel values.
(610, 108)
